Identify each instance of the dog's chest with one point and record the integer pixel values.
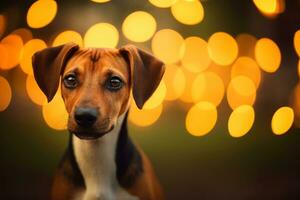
(96, 161)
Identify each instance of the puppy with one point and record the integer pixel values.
(101, 162)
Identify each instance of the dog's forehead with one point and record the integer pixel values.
(97, 57)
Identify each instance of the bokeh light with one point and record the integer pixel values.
(299, 68)
(103, 35)
(195, 57)
(3, 57)
(68, 36)
(2, 24)
(29, 49)
(295, 101)
(13, 45)
(267, 55)
(157, 97)
(41, 13)
(208, 86)
(246, 44)
(189, 80)
(222, 48)
(166, 45)
(175, 82)
(188, 12)
(139, 26)
(241, 91)
(241, 120)
(282, 120)
(270, 7)
(144, 117)
(201, 118)
(24, 33)
(5, 94)
(34, 92)
(247, 67)
(162, 3)
(55, 114)
(297, 42)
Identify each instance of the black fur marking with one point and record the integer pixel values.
(128, 160)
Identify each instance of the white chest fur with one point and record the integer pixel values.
(96, 160)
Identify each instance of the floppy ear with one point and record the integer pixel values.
(146, 73)
(48, 64)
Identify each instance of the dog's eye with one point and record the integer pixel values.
(114, 83)
(70, 81)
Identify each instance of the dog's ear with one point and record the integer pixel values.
(48, 64)
(146, 72)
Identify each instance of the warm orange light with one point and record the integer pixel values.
(166, 45)
(55, 114)
(163, 3)
(208, 86)
(68, 36)
(297, 42)
(246, 44)
(103, 35)
(5, 94)
(267, 55)
(282, 120)
(144, 117)
(201, 118)
(41, 13)
(222, 48)
(157, 97)
(270, 8)
(241, 120)
(139, 26)
(223, 72)
(175, 82)
(2, 24)
(299, 68)
(3, 57)
(34, 92)
(187, 94)
(241, 91)
(195, 54)
(29, 49)
(24, 33)
(188, 12)
(247, 67)
(13, 45)
(295, 100)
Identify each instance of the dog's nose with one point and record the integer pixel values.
(86, 116)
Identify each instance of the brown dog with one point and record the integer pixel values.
(101, 162)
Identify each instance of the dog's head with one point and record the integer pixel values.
(96, 83)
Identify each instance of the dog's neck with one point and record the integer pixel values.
(96, 161)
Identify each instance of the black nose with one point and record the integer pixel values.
(86, 116)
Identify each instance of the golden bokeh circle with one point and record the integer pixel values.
(188, 12)
(162, 3)
(282, 120)
(5, 94)
(195, 54)
(157, 97)
(41, 13)
(297, 42)
(241, 120)
(144, 117)
(101, 35)
(66, 37)
(139, 26)
(13, 44)
(222, 48)
(166, 45)
(201, 118)
(267, 55)
(34, 92)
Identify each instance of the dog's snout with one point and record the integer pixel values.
(86, 117)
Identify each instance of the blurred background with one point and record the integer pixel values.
(223, 123)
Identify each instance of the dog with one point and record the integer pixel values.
(101, 162)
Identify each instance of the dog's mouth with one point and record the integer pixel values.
(90, 134)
